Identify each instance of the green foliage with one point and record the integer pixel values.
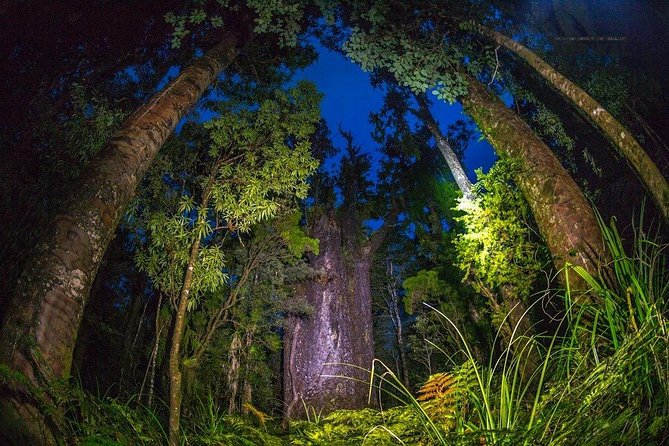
(91, 125)
(242, 170)
(272, 151)
(425, 286)
(214, 426)
(106, 421)
(549, 126)
(604, 382)
(445, 396)
(366, 427)
(75, 415)
(281, 18)
(166, 255)
(417, 64)
(101, 420)
(295, 237)
(263, 268)
(639, 292)
(261, 162)
(581, 393)
(82, 131)
(498, 246)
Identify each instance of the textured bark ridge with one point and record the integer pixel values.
(564, 216)
(322, 350)
(41, 324)
(627, 145)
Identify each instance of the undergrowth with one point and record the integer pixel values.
(603, 379)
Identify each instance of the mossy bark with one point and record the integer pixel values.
(651, 177)
(562, 213)
(327, 353)
(41, 324)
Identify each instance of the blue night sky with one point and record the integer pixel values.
(349, 98)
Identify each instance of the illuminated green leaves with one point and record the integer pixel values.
(498, 246)
(425, 286)
(260, 160)
(295, 238)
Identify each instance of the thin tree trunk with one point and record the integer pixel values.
(44, 315)
(175, 374)
(564, 216)
(394, 309)
(445, 148)
(651, 177)
(234, 364)
(175, 350)
(150, 373)
(247, 397)
(400, 346)
(134, 320)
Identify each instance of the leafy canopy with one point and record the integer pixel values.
(261, 161)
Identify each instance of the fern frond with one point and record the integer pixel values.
(437, 386)
(446, 394)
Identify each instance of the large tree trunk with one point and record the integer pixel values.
(563, 214)
(323, 352)
(42, 321)
(651, 177)
(445, 148)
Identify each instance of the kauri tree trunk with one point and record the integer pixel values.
(651, 177)
(327, 353)
(564, 216)
(42, 321)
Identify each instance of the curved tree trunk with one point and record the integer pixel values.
(42, 321)
(326, 353)
(651, 177)
(563, 214)
(445, 148)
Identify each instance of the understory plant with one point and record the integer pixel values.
(603, 377)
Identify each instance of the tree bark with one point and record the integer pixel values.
(45, 313)
(175, 373)
(445, 148)
(232, 375)
(564, 217)
(150, 373)
(175, 350)
(327, 353)
(393, 304)
(651, 177)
